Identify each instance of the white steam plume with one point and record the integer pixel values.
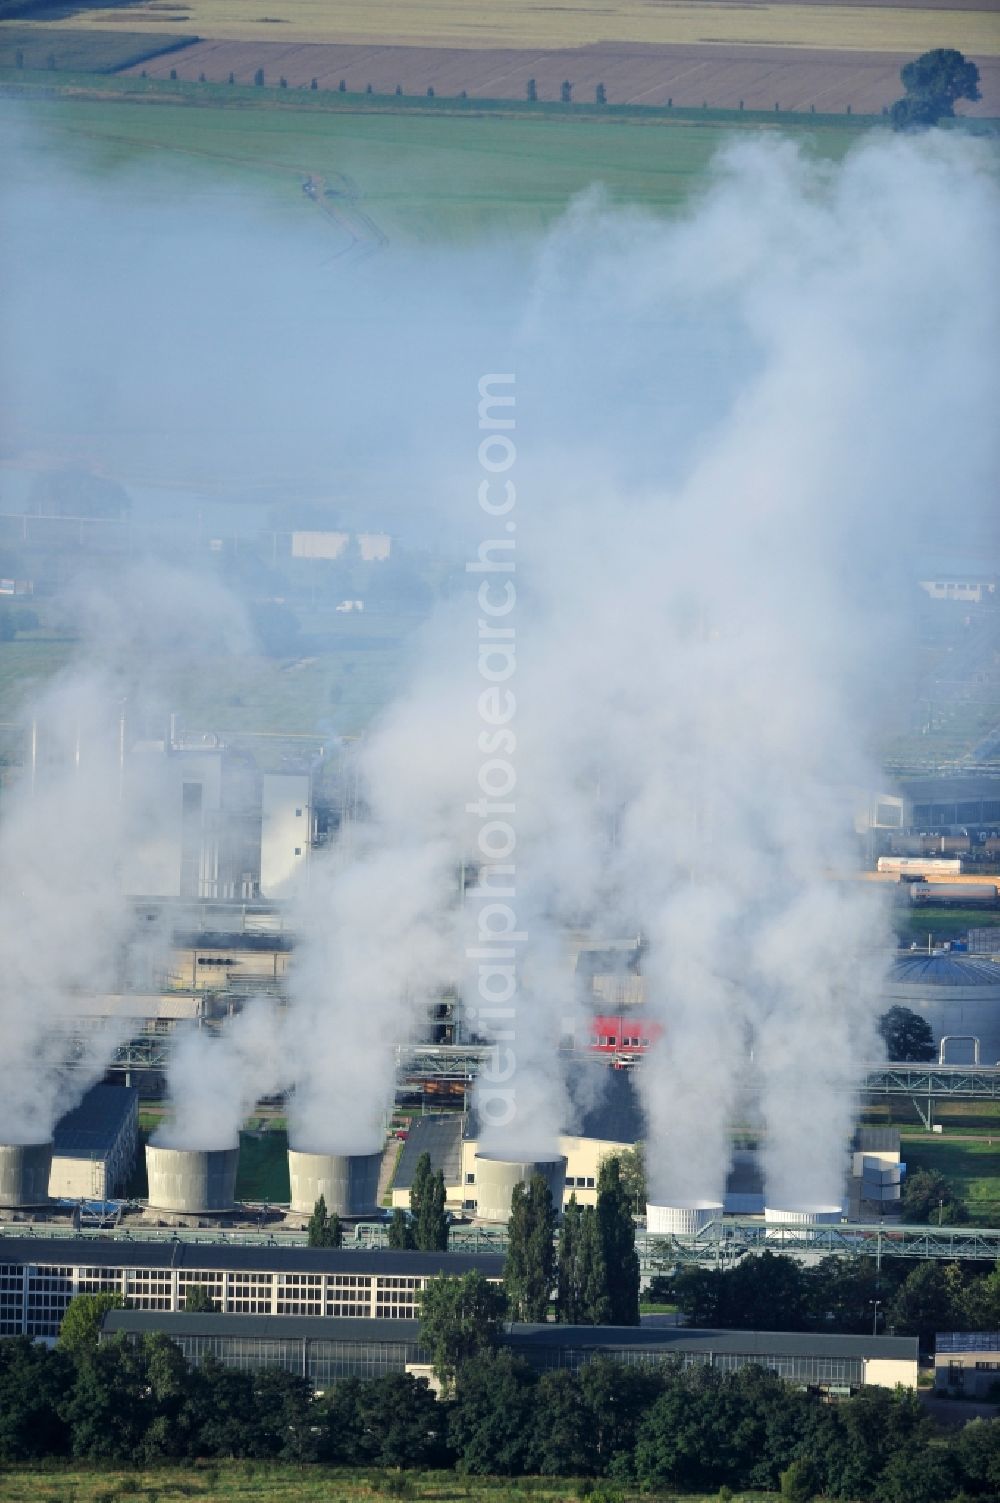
(71, 824)
(215, 1080)
(703, 653)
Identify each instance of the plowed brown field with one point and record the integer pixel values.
(720, 77)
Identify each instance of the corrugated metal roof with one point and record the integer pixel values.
(916, 969)
(94, 1125)
(124, 1252)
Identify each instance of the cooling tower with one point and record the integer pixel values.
(496, 1178)
(348, 1182)
(684, 1218)
(795, 1216)
(191, 1181)
(24, 1173)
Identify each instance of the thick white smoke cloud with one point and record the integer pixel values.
(217, 1079)
(73, 825)
(702, 655)
(377, 945)
(731, 428)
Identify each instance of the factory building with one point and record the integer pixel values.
(959, 995)
(602, 1127)
(94, 1145)
(220, 829)
(967, 1364)
(39, 1276)
(325, 1351)
(875, 1186)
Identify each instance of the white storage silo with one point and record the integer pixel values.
(497, 1177)
(348, 1182)
(191, 1181)
(683, 1218)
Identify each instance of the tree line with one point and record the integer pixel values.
(140, 1403)
(773, 1292)
(593, 1267)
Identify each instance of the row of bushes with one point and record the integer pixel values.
(695, 1428)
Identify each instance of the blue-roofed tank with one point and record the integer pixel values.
(958, 995)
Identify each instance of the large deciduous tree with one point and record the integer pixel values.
(81, 1324)
(933, 83)
(459, 1319)
(907, 1035)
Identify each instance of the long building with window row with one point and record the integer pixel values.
(325, 1351)
(39, 1276)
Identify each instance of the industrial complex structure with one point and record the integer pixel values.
(325, 1351)
(39, 1276)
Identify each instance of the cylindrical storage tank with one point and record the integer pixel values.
(191, 1181)
(685, 1218)
(348, 1182)
(24, 1173)
(957, 994)
(496, 1178)
(795, 1216)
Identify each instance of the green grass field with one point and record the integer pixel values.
(327, 692)
(418, 176)
(973, 1167)
(248, 1482)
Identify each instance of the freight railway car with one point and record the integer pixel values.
(954, 894)
(975, 842)
(920, 866)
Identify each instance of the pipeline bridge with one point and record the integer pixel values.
(720, 1244)
(461, 1063)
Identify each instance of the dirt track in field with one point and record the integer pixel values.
(631, 73)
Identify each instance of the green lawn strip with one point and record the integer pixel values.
(44, 50)
(972, 1167)
(263, 1167)
(261, 1482)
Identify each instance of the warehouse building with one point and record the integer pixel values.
(609, 1121)
(40, 1275)
(325, 1351)
(94, 1145)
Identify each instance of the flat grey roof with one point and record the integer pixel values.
(126, 1252)
(604, 1104)
(661, 1341)
(440, 1136)
(295, 1327)
(681, 1339)
(877, 1140)
(94, 1125)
